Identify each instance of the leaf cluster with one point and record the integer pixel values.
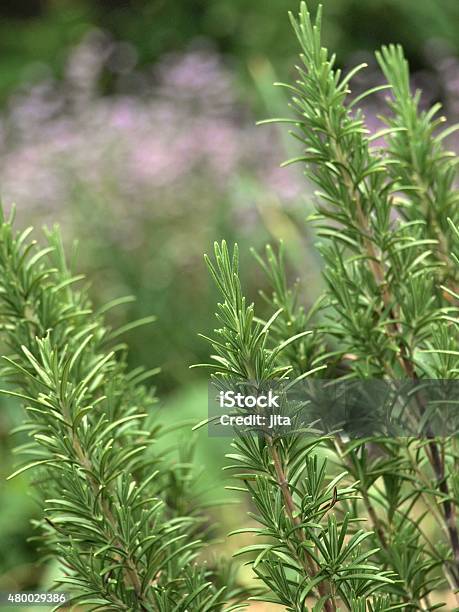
(111, 515)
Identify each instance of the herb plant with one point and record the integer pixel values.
(124, 522)
(342, 524)
(356, 537)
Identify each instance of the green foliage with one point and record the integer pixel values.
(237, 27)
(346, 524)
(120, 517)
(340, 524)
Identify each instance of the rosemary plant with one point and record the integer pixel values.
(364, 524)
(122, 520)
(358, 536)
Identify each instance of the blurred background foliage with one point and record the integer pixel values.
(132, 125)
(44, 30)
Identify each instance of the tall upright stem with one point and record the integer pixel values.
(307, 561)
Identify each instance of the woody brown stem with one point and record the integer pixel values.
(290, 507)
